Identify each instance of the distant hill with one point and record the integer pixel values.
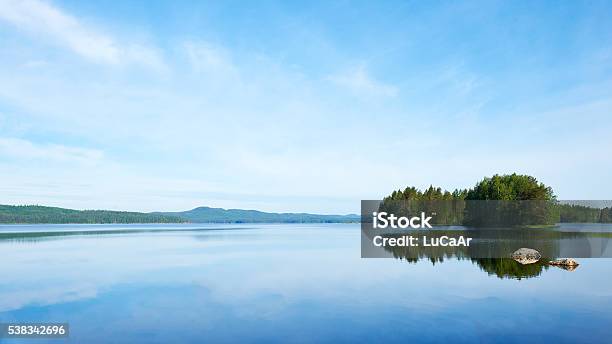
(219, 215)
(32, 214)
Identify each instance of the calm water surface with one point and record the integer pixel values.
(283, 283)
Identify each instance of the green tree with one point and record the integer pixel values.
(511, 187)
(510, 200)
(499, 200)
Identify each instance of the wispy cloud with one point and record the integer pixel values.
(41, 19)
(24, 149)
(358, 80)
(205, 57)
(252, 114)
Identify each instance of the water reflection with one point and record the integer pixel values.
(287, 284)
(491, 248)
(34, 233)
(504, 268)
(493, 242)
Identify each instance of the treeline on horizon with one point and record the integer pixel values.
(33, 214)
(219, 215)
(583, 214)
(486, 204)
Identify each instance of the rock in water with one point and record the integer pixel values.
(564, 262)
(526, 255)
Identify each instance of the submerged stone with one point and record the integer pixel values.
(568, 262)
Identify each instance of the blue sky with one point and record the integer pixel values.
(289, 106)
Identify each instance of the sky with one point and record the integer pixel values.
(298, 106)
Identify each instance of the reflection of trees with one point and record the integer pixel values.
(59, 234)
(495, 242)
(501, 267)
(39, 236)
(509, 268)
(490, 247)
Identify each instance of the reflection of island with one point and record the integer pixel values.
(509, 268)
(504, 268)
(491, 248)
(500, 267)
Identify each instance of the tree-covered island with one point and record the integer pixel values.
(500, 200)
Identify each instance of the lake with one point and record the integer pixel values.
(283, 283)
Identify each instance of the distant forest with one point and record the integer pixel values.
(219, 215)
(486, 204)
(33, 214)
(30, 214)
(579, 213)
(537, 205)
